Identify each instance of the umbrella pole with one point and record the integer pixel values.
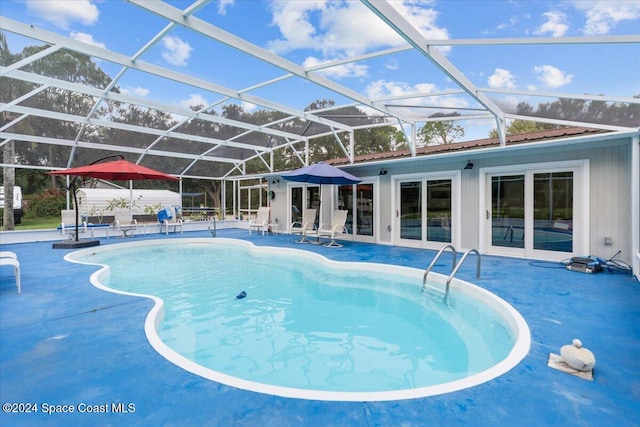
(72, 187)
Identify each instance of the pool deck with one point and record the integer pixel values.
(65, 342)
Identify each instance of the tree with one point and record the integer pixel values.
(517, 127)
(580, 110)
(7, 91)
(440, 132)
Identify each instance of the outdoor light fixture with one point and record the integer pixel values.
(382, 172)
(469, 165)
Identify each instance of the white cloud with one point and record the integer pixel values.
(193, 101)
(502, 79)
(392, 65)
(338, 71)
(504, 25)
(602, 16)
(222, 6)
(556, 24)
(384, 89)
(551, 76)
(63, 13)
(86, 38)
(136, 91)
(342, 29)
(176, 51)
(248, 107)
(422, 18)
(380, 89)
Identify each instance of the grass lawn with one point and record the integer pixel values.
(38, 223)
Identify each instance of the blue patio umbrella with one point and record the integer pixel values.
(321, 173)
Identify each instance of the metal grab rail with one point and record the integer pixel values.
(455, 270)
(435, 259)
(215, 230)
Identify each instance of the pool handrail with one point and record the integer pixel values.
(435, 259)
(457, 267)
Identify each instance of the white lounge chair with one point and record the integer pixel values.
(305, 227)
(261, 221)
(166, 220)
(123, 222)
(8, 254)
(68, 223)
(13, 262)
(335, 228)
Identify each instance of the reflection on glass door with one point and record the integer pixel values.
(411, 210)
(553, 211)
(533, 213)
(362, 205)
(426, 210)
(507, 211)
(313, 202)
(364, 209)
(439, 210)
(345, 202)
(296, 204)
(299, 203)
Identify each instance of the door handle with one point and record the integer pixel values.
(488, 214)
(397, 213)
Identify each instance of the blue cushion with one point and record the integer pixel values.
(164, 214)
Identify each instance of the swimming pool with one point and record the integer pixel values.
(310, 327)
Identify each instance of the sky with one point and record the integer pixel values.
(312, 32)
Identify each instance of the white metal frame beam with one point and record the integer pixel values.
(175, 15)
(117, 58)
(399, 24)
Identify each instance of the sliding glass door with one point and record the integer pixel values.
(304, 197)
(425, 210)
(359, 201)
(507, 211)
(553, 211)
(537, 212)
(411, 224)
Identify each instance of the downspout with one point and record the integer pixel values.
(414, 139)
(223, 202)
(635, 204)
(352, 147)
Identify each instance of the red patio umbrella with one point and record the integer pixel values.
(116, 170)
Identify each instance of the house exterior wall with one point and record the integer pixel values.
(607, 170)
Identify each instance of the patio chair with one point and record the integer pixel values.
(166, 219)
(68, 223)
(336, 227)
(305, 227)
(8, 254)
(261, 221)
(12, 262)
(123, 222)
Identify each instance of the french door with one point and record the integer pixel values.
(304, 197)
(359, 200)
(427, 210)
(537, 211)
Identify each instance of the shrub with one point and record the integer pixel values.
(46, 204)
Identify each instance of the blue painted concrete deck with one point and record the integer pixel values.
(64, 342)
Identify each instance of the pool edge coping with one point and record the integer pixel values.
(156, 314)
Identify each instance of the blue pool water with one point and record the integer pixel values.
(304, 324)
